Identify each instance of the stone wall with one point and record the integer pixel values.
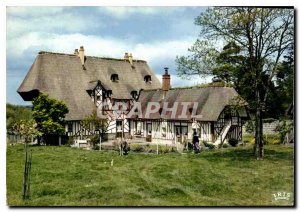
(268, 127)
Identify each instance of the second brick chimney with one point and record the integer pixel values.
(166, 82)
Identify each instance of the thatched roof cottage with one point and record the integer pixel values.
(87, 83)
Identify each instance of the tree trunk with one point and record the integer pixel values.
(259, 145)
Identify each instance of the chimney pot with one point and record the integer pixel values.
(166, 70)
(126, 55)
(81, 55)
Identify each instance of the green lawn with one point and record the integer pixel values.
(62, 176)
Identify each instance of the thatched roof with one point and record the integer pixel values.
(211, 101)
(62, 76)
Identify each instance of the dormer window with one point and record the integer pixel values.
(147, 79)
(134, 94)
(114, 78)
(108, 93)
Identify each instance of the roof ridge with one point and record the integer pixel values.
(200, 86)
(96, 57)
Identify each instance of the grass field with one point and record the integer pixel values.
(62, 176)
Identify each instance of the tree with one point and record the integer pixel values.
(27, 129)
(16, 113)
(49, 115)
(95, 124)
(263, 35)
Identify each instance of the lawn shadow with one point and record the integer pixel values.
(246, 154)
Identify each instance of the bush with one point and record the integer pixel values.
(96, 147)
(271, 139)
(125, 148)
(95, 140)
(233, 142)
(225, 145)
(137, 148)
(190, 146)
(209, 145)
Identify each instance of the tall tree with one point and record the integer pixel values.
(49, 115)
(263, 35)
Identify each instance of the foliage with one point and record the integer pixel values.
(16, 113)
(247, 138)
(27, 129)
(250, 126)
(137, 148)
(93, 124)
(49, 114)
(125, 148)
(269, 120)
(190, 146)
(268, 139)
(283, 128)
(233, 142)
(225, 145)
(88, 179)
(209, 145)
(94, 140)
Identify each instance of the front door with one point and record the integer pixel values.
(149, 128)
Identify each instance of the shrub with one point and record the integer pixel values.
(125, 148)
(225, 145)
(96, 147)
(233, 142)
(270, 139)
(70, 141)
(95, 140)
(190, 146)
(151, 151)
(137, 148)
(209, 145)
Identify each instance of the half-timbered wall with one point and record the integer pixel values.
(170, 130)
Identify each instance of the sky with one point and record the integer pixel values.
(154, 34)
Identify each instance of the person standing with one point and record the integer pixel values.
(196, 143)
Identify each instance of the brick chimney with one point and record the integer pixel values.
(166, 82)
(81, 55)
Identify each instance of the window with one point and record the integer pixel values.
(114, 78)
(70, 127)
(119, 125)
(108, 93)
(147, 79)
(181, 130)
(134, 94)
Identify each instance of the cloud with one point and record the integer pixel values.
(179, 82)
(62, 23)
(97, 46)
(126, 12)
(154, 34)
(26, 12)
